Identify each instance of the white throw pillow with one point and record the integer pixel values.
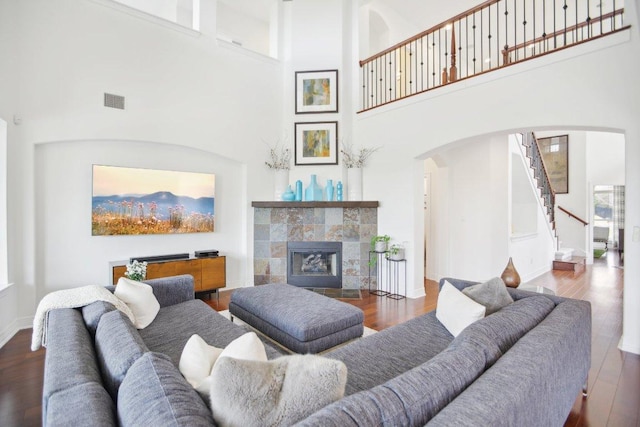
(455, 310)
(246, 347)
(140, 299)
(196, 362)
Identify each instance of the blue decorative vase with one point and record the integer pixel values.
(288, 195)
(339, 191)
(329, 190)
(298, 191)
(313, 193)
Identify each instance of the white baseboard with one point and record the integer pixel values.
(536, 273)
(621, 346)
(25, 322)
(11, 329)
(416, 292)
(8, 332)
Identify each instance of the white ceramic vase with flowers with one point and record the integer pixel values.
(136, 270)
(355, 159)
(279, 161)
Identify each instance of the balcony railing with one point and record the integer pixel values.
(495, 34)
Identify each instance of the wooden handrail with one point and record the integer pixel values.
(574, 216)
(598, 19)
(430, 30)
(474, 42)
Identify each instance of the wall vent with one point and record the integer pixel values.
(114, 101)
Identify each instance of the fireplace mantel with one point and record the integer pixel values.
(273, 204)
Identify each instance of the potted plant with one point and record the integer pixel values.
(378, 246)
(396, 252)
(379, 243)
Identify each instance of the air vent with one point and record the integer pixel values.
(114, 101)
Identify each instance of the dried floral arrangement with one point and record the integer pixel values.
(279, 156)
(356, 157)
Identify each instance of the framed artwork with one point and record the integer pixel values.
(555, 154)
(134, 201)
(316, 143)
(317, 91)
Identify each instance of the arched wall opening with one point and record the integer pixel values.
(469, 219)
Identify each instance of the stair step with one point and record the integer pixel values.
(564, 254)
(576, 264)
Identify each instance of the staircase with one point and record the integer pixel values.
(565, 261)
(564, 258)
(532, 151)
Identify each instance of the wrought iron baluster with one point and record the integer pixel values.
(515, 27)
(489, 37)
(564, 11)
(433, 54)
(524, 28)
(555, 42)
(481, 41)
(575, 37)
(506, 34)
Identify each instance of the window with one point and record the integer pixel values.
(251, 24)
(182, 12)
(603, 207)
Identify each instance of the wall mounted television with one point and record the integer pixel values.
(135, 201)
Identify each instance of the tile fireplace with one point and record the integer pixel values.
(279, 224)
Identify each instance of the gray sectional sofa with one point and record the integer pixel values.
(523, 365)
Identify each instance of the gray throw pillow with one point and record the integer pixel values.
(492, 294)
(277, 392)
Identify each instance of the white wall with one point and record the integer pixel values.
(4, 278)
(470, 221)
(406, 18)
(182, 89)
(605, 158)
(68, 255)
(8, 294)
(316, 30)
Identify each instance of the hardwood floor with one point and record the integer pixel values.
(614, 378)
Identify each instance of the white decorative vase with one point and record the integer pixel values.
(398, 255)
(354, 184)
(380, 247)
(281, 183)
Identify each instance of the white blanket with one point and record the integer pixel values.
(71, 298)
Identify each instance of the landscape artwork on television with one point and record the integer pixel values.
(135, 201)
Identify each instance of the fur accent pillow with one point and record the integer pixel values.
(492, 294)
(455, 310)
(140, 299)
(278, 392)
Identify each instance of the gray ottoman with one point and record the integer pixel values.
(300, 320)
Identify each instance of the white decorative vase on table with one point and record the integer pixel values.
(281, 182)
(354, 184)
